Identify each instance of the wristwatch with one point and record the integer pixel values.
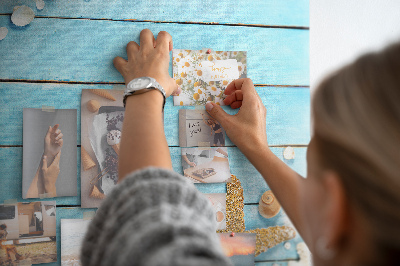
(143, 85)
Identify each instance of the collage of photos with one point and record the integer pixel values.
(204, 74)
(198, 129)
(239, 247)
(28, 233)
(102, 114)
(206, 164)
(49, 153)
(218, 201)
(72, 234)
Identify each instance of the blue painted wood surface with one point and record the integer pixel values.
(83, 50)
(288, 119)
(265, 12)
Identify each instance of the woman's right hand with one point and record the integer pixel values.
(247, 129)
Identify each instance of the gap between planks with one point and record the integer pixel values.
(177, 22)
(232, 146)
(118, 83)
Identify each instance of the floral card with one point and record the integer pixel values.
(203, 75)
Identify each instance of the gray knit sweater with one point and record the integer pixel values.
(154, 217)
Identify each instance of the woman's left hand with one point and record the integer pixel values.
(50, 175)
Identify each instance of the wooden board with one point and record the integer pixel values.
(288, 119)
(258, 12)
(83, 50)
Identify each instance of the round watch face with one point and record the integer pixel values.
(140, 83)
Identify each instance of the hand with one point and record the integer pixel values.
(247, 129)
(53, 142)
(192, 164)
(50, 175)
(150, 59)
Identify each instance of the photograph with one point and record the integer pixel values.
(102, 114)
(198, 129)
(239, 247)
(203, 75)
(218, 201)
(49, 153)
(28, 233)
(206, 164)
(72, 233)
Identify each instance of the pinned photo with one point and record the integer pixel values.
(239, 247)
(49, 153)
(72, 234)
(198, 129)
(218, 201)
(206, 165)
(102, 114)
(204, 74)
(28, 233)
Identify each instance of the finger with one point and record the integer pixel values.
(236, 105)
(55, 128)
(164, 41)
(234, 97)
(59, 136)
(218, 113)
(131, 48)
(119, 63)
(147, 40)
(44, 163)
(48, 131)
(60, 142)
(58, 131)
(177, 91)
(245, 85)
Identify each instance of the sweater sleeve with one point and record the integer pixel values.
(153, 217)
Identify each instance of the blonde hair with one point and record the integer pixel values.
(356, 114)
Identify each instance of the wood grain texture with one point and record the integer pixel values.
(264, 12)
(253, 184)
(288, 116)
(83, 50)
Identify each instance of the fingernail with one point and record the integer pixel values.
(179, 90)
(44, 157)
(209, 106)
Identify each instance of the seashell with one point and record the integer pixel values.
(288, 153)
(22, 15)
(268, 206)
(103, 93)
(39, 4)
(93, 106)
(3, 33)
(86, 160)
(95, 193)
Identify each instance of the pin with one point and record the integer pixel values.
(232, 234)
(208, 51)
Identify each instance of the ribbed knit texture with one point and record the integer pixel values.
(155, 217)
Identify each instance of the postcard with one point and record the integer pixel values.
(198, 129)
(239, 247)
(204, 74)
(102, 114)
(206, 164)
(49, 153)
(218, 201)
(72, 234)
(28, 233)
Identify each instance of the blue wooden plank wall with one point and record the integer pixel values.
(70, 45)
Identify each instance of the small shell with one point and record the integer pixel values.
(268, 206)
(39, 4)
(103, 93)
(86, 160)
(95, 193)
(288, 153)
(93, 106)
(22, 16)
(3, 33)
(287, 245)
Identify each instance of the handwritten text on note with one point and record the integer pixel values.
(219, 70)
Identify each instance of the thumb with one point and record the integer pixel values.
(217, 113)
(56, 159)
(44, 163)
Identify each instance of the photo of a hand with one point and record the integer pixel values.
(50, 174)
(53, 143)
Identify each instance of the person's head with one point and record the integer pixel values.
(352, 193)
(3, 226)
(210, 122)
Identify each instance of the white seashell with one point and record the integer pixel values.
(39, 4)
(15, 8)
(22, 16)
(3, 33)
(287, 245)
(288, 153)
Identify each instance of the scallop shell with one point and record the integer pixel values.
(3, 33)
(22, 16)
(86, 160)
(288, 153)
(103, 93)
(93, 106)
